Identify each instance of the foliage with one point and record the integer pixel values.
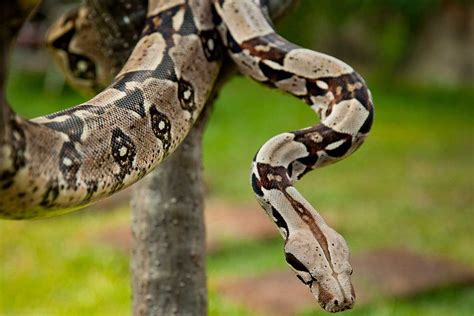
(377, 35)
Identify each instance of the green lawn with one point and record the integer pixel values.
(410, 185)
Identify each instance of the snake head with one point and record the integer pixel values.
(323, 266)
(78, 49)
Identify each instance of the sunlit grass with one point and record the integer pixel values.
(55, 267)
(410, 185)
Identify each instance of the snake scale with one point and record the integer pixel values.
(59, 162)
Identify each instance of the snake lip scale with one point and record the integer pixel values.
(62, 161)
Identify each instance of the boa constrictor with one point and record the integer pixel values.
(53, 164)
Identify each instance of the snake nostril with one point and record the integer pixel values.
(336, 302)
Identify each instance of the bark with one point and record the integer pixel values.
(12, 15)
(168, 245)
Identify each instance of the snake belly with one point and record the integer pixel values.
(62, 161)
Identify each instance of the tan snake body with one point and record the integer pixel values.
(53, 164)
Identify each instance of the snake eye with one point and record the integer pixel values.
(295, 263)
(302, 272)
(82, 67)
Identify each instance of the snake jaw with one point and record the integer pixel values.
(327, 272)
(335, 293)
(330, 302)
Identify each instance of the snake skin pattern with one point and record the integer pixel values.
(59, 162)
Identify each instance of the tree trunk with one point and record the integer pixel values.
(168, 245)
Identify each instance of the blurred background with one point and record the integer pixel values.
(404, 201)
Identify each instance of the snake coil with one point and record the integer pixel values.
(62, 161)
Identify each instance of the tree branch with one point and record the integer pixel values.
(12, 15)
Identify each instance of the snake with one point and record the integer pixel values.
(54, 164)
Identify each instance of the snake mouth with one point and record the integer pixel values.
(330, 303)
(335, 305)
(332, 308)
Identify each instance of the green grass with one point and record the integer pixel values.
(54, 268)
(410, 185)
(450, 301)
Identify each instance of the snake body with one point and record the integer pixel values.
(53, 164)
